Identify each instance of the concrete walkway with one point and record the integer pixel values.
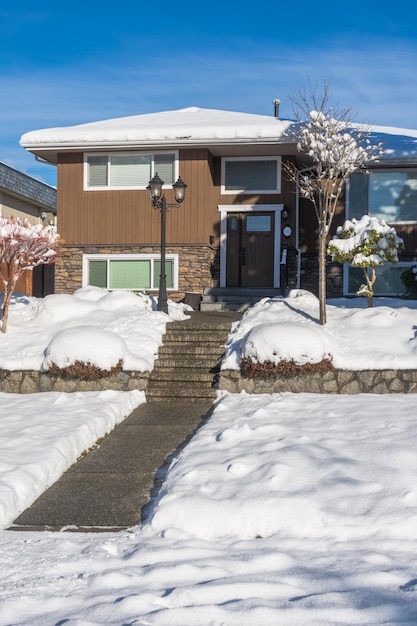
(112, 486)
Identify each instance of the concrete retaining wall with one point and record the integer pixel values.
(336, 381)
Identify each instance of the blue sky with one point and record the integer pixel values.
(70, 63)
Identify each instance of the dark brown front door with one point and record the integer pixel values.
(250, 249)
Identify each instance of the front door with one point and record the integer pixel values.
(250, 249)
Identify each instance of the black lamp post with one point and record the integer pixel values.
(159, 202)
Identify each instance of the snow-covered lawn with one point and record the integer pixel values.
(42, 435)
(283, 509)
(92, 323)
(355, 337)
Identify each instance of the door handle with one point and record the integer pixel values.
(243, 256)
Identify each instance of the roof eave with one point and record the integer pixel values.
(50, 151)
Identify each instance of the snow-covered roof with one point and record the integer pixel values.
(190, 125)
(194, 126)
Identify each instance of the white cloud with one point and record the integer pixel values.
(374, 78)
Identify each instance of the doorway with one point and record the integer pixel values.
(250, 249)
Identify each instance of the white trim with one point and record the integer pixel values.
(224, 209)
(109, 154)
(225, 191)
(132, 257)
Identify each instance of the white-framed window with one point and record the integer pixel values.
(128, 170)
(386, 194)
(129, 271)
(259, 175)
(388, 281)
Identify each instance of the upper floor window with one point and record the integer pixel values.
(388, 195)
(257, 175)
(128, 170)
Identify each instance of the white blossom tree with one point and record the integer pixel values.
(367, 243)
(23, 246)
(335, 147)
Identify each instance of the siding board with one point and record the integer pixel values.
(127, 217)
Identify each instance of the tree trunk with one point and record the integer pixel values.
(322, 274)
(370, 281)
(10, 286)
(5, 310)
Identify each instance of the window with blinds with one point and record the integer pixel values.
(251, 175)
(134, 272)
(129, 170)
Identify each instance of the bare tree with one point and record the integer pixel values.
(23, 246)
(336, 147)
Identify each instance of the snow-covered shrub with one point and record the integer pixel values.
(84, 371)
(284, 348)
(84, 352)
(367, 243)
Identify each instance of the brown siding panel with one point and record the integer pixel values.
(117, 217)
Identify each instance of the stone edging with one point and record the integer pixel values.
(335, 381)
(28, 381)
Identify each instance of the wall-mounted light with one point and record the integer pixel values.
(285, 212)
(44, 215)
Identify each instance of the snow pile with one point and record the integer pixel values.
(305, 466)
(355, 337)
(42, 435)
(275, 341)
(92, 325)
(87, 344)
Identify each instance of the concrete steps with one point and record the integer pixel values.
(188, 363)
(234, 299)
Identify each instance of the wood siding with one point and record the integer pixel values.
(116, 217)
(127, 217)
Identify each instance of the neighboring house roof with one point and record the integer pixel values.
(194, 126)
(24, 186)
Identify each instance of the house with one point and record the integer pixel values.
(25, 197)
(241, 231)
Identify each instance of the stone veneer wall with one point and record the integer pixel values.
(28, 381)
(309, 276)
(335, 381)
(198, 265)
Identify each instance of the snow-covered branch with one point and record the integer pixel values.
(334, 147)
(23, 246)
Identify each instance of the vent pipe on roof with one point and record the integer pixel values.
(276, 104)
